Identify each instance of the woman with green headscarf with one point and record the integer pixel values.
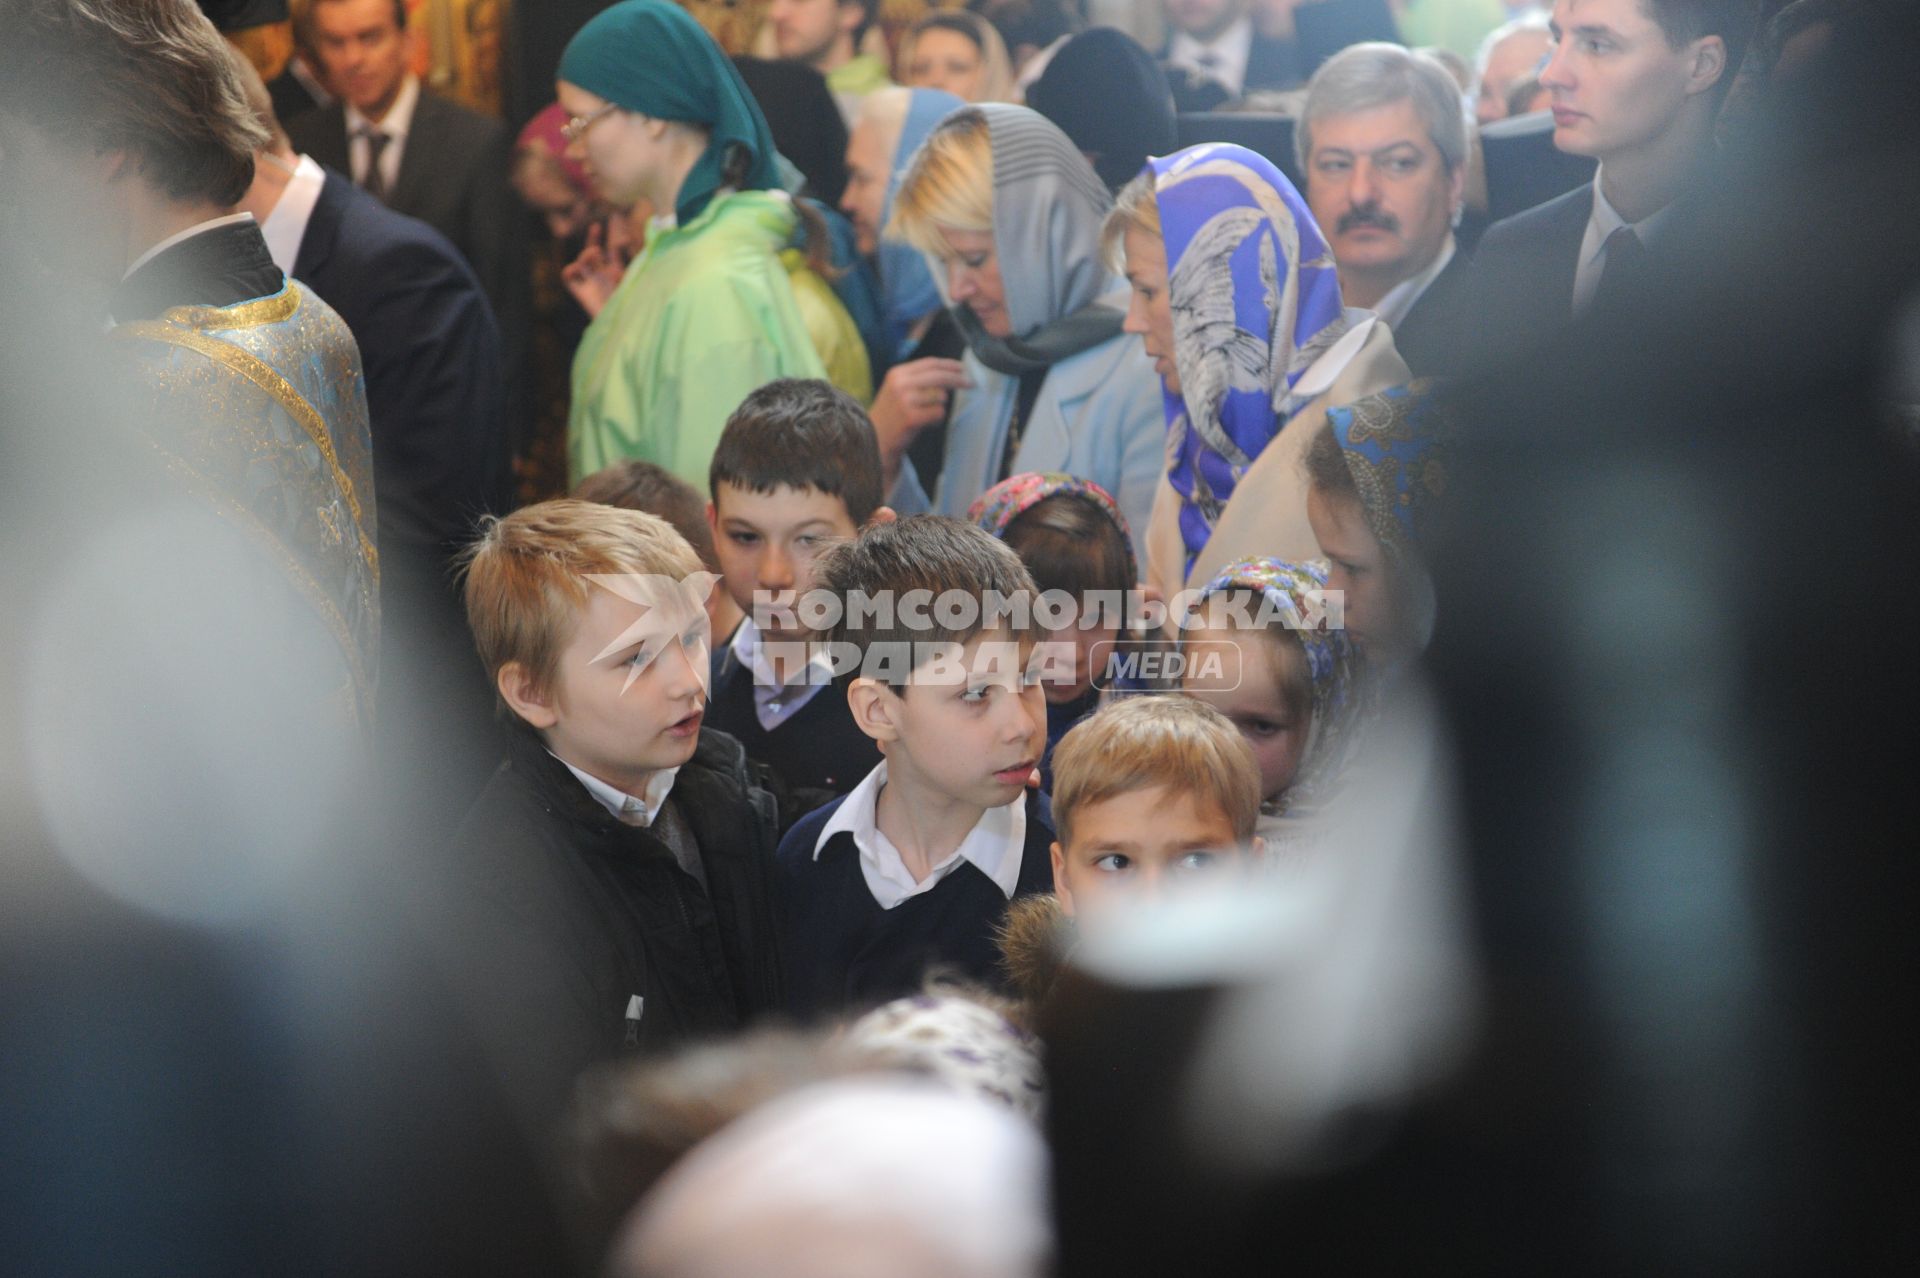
(706, 313)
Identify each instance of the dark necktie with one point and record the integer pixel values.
(1626, 269)
(375, 182)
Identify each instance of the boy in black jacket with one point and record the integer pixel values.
(615, 873)
(914, 868)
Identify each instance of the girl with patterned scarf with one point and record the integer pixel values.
(1260, 653)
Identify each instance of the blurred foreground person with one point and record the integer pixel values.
(861, 1178)
(1688, 853)
(223, 1054)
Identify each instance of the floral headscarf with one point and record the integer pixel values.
(1395, 444)
(997, 508)
(1255, 301)
(1333, 671)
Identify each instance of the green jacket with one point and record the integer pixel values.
(703, 317)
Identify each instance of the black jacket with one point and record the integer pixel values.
(442, 458)
(1519, 291)
(1429, 335)
(563, 914)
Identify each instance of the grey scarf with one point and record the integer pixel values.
(1048, 207)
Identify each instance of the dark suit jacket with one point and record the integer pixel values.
(442, 457)
(454, 177)
(432, 356)
(1428, 335)
(1520, 289)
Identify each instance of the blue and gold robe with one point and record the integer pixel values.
(259, 409)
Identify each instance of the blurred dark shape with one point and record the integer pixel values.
(1675, 644)
(1524, 168)
(1324, 27)
(1111, 98)
(1267, 135)
(238, 15)
(807, 126)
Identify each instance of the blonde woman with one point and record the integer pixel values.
(1008, 214)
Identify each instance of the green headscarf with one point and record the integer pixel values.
(652, 57)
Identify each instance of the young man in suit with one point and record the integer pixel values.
(1636, 85)
(442, 453)
(419, 154)
(1383, 144)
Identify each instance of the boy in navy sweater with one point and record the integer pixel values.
(796, 470)
(914, 869)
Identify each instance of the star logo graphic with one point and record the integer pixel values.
(671, 608)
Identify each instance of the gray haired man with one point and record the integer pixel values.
(1383, 143)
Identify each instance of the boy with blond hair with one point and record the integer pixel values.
(1147, 791)
(618, 865)
(914, 868)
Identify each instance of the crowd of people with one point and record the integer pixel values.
(850, 564)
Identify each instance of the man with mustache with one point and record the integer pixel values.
(1383, 143)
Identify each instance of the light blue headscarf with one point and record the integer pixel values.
(1255, 302)
(907, 290)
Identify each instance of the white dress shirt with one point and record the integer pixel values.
(994, 845)
(1224, 59)
(774, 702)
(625, 807)
(1402, 297)
(395, 124)
(1604, 221)
(286, 226)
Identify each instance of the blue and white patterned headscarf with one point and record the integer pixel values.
(907, 290)
(1255, 302)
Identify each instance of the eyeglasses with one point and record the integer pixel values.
(579, 124)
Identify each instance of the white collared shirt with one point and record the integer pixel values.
(286, 226)
(1402, 297)
(774, 702)
(994, 845)
(396, 123)
(625, 807)
(180, 237)
(1228, 54)
(1604, 221)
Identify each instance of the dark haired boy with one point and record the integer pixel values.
(912, 871)
(796, 470)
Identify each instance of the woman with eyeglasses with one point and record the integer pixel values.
(708, 311)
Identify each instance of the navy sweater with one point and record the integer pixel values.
(815, 756)
(843, 953)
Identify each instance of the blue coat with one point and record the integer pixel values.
(1099, 416)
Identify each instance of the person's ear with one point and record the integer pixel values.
(1258, 848)
(713, 520)
(524, 698)
(1061, 892)
(882, 515)
(1457, 192)
(1709, 64)
(876, 709)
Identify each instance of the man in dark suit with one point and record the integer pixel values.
(442, 452)
(1636, 85)
(1383, 144)
(420, 155)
